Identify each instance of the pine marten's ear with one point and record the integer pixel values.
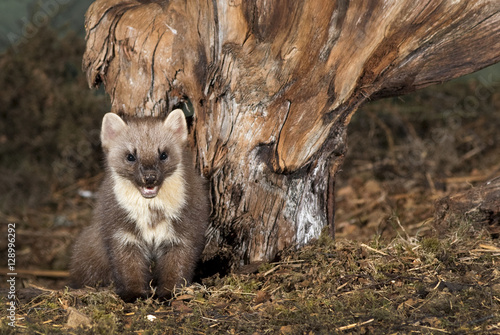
(176, 124)
(112, 126)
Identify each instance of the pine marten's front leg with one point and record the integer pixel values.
(174, 269)
(131, 273)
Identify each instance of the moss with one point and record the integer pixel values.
(304, 295)
(431, 245)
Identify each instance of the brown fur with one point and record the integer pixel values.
(141, 240)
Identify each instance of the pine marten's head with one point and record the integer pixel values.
(144, 151)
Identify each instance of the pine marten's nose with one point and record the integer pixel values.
(150, 177)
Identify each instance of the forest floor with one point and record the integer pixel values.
(393, 268)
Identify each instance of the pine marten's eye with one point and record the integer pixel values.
(163, 156)
(131, 158)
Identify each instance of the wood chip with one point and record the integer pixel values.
(489, 247)
(354, 325)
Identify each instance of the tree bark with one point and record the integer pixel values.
(273, 86)
(479, 207)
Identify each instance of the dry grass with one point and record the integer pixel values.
(415, 285)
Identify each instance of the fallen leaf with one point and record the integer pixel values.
(286, 330)
(262, 297)
(77, 319)
(181, 307)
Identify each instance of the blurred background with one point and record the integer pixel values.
(404, 152)
(49, 119)
(22, 18)
(50, 157)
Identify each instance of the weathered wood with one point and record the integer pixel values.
(479, 206)
(273, 86)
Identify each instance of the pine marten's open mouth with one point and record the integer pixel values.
(149, 191)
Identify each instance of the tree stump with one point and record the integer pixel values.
(270, 87)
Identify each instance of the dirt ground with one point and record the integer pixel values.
(392, 269)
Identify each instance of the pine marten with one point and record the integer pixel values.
(151, 211)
